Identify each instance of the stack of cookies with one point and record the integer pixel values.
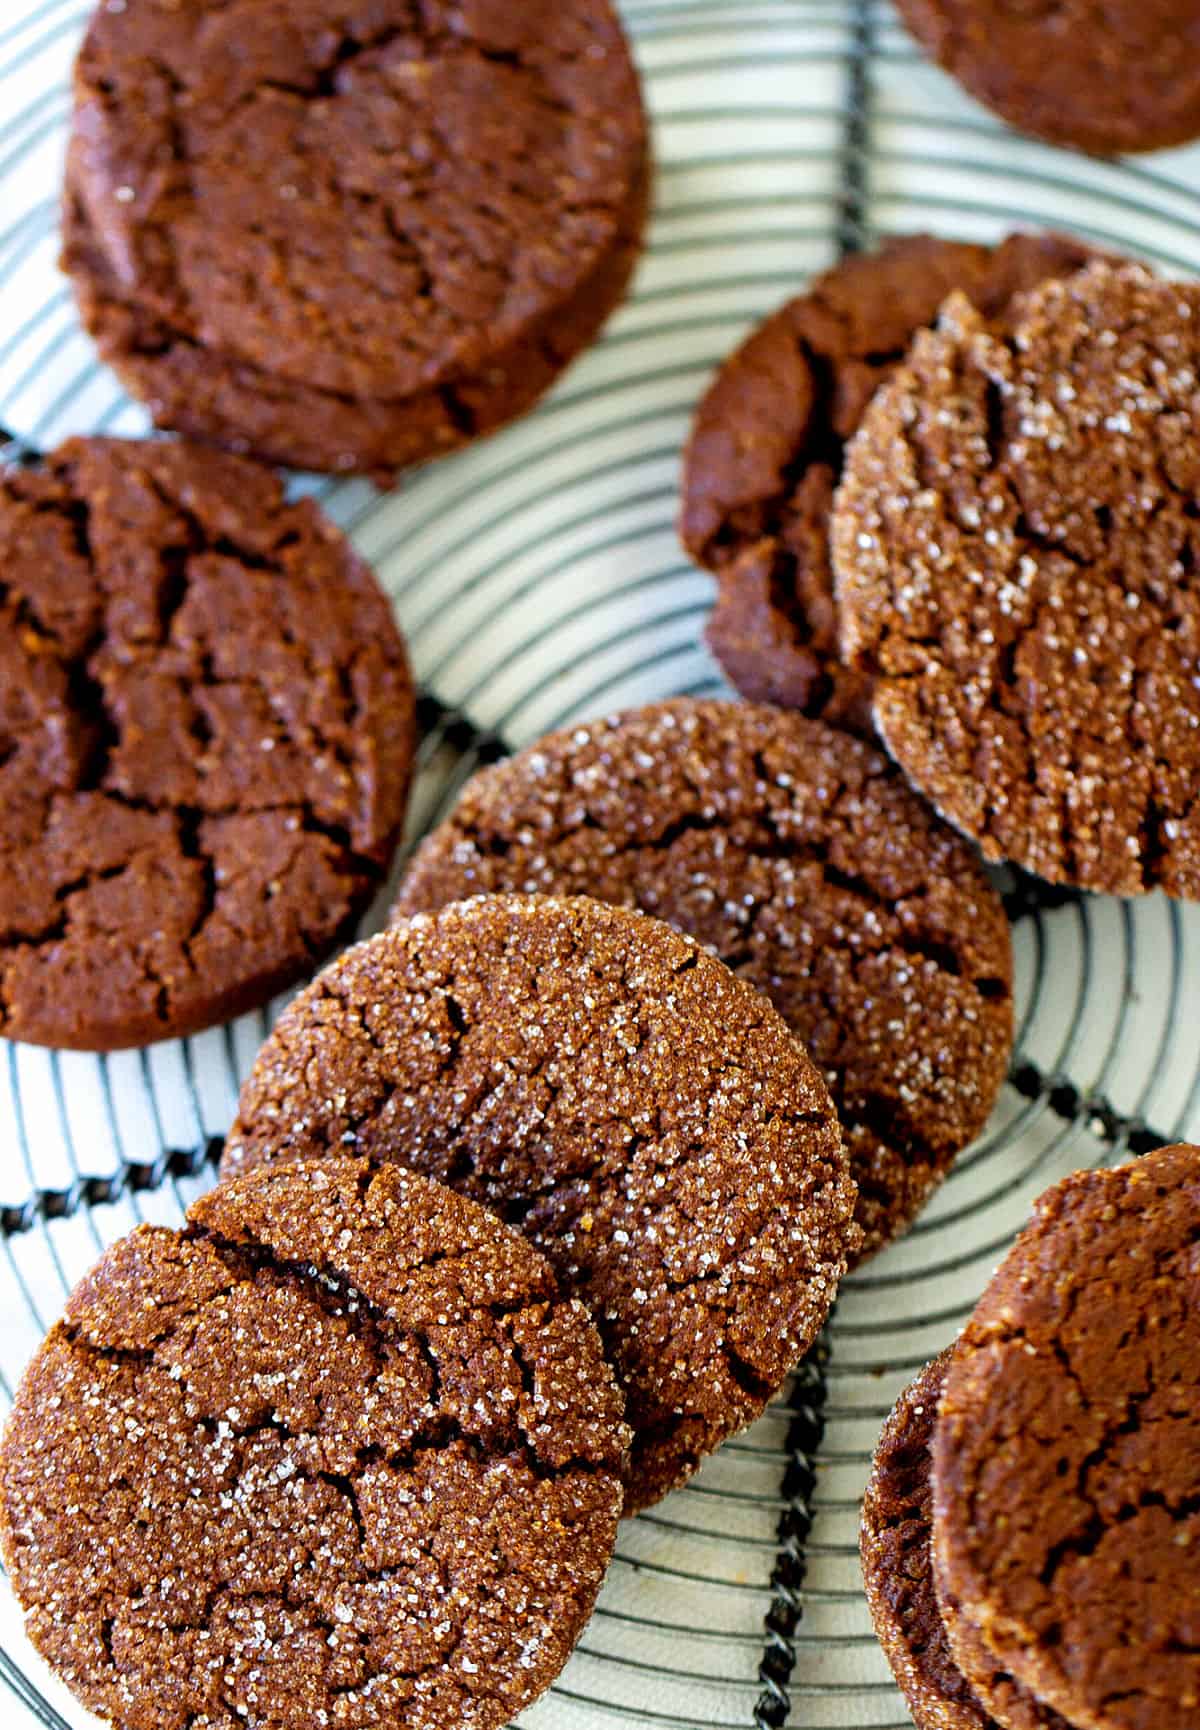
(1030, 1527)
(1015, 547)
(797, 854)
(768, 446)
(348, 1448)
(996, 574)
(351, 237)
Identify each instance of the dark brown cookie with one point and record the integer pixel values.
(338, 1453)
(801, 857)
(898, 1567)
(1015, 542)
(599, 1080)
(767, 445)
(348, 239)
(910, 1621)
(1066, 1456)
(1098, 75)
(206, 737)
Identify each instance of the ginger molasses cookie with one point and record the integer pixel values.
(897, 1566)
(645, 1117)
(351, 239)
(206, 737)
(1066, 1455)
(1121, 76)
(339, 1452)
(767, 446)
(801, 857)
(1016, 542)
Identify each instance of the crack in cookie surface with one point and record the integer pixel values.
(207, 728)
(1065, 1455)
(768, 442)
(798, 855)
(340, 1452)
(1016, 541)
(644, 1115)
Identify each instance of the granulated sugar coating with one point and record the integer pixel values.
(1066, 1464)
(768, 441)
(643, 1115)
(1016, 543)
(206, 737)
(339, 1454)
(801, 857)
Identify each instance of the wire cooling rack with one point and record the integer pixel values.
(538, 580)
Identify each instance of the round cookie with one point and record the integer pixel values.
(1118, 77)
(1014, 540)
(351, 241)
(1066, 1455)
(911, 1623)
(800, 856)
(339, 1452)
(898, 1569)
(207, 729)
(767, 445)
(644, 1116)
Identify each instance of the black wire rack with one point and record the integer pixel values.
(539, 581)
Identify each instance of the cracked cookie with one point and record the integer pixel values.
(337, 1453)
(348, 238)
(767, 446)
(206, 735)
(897, 1569)
(1016, 542)
(1120, 75)
(1066, 1453)
(800, 856)
(599, 1080)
